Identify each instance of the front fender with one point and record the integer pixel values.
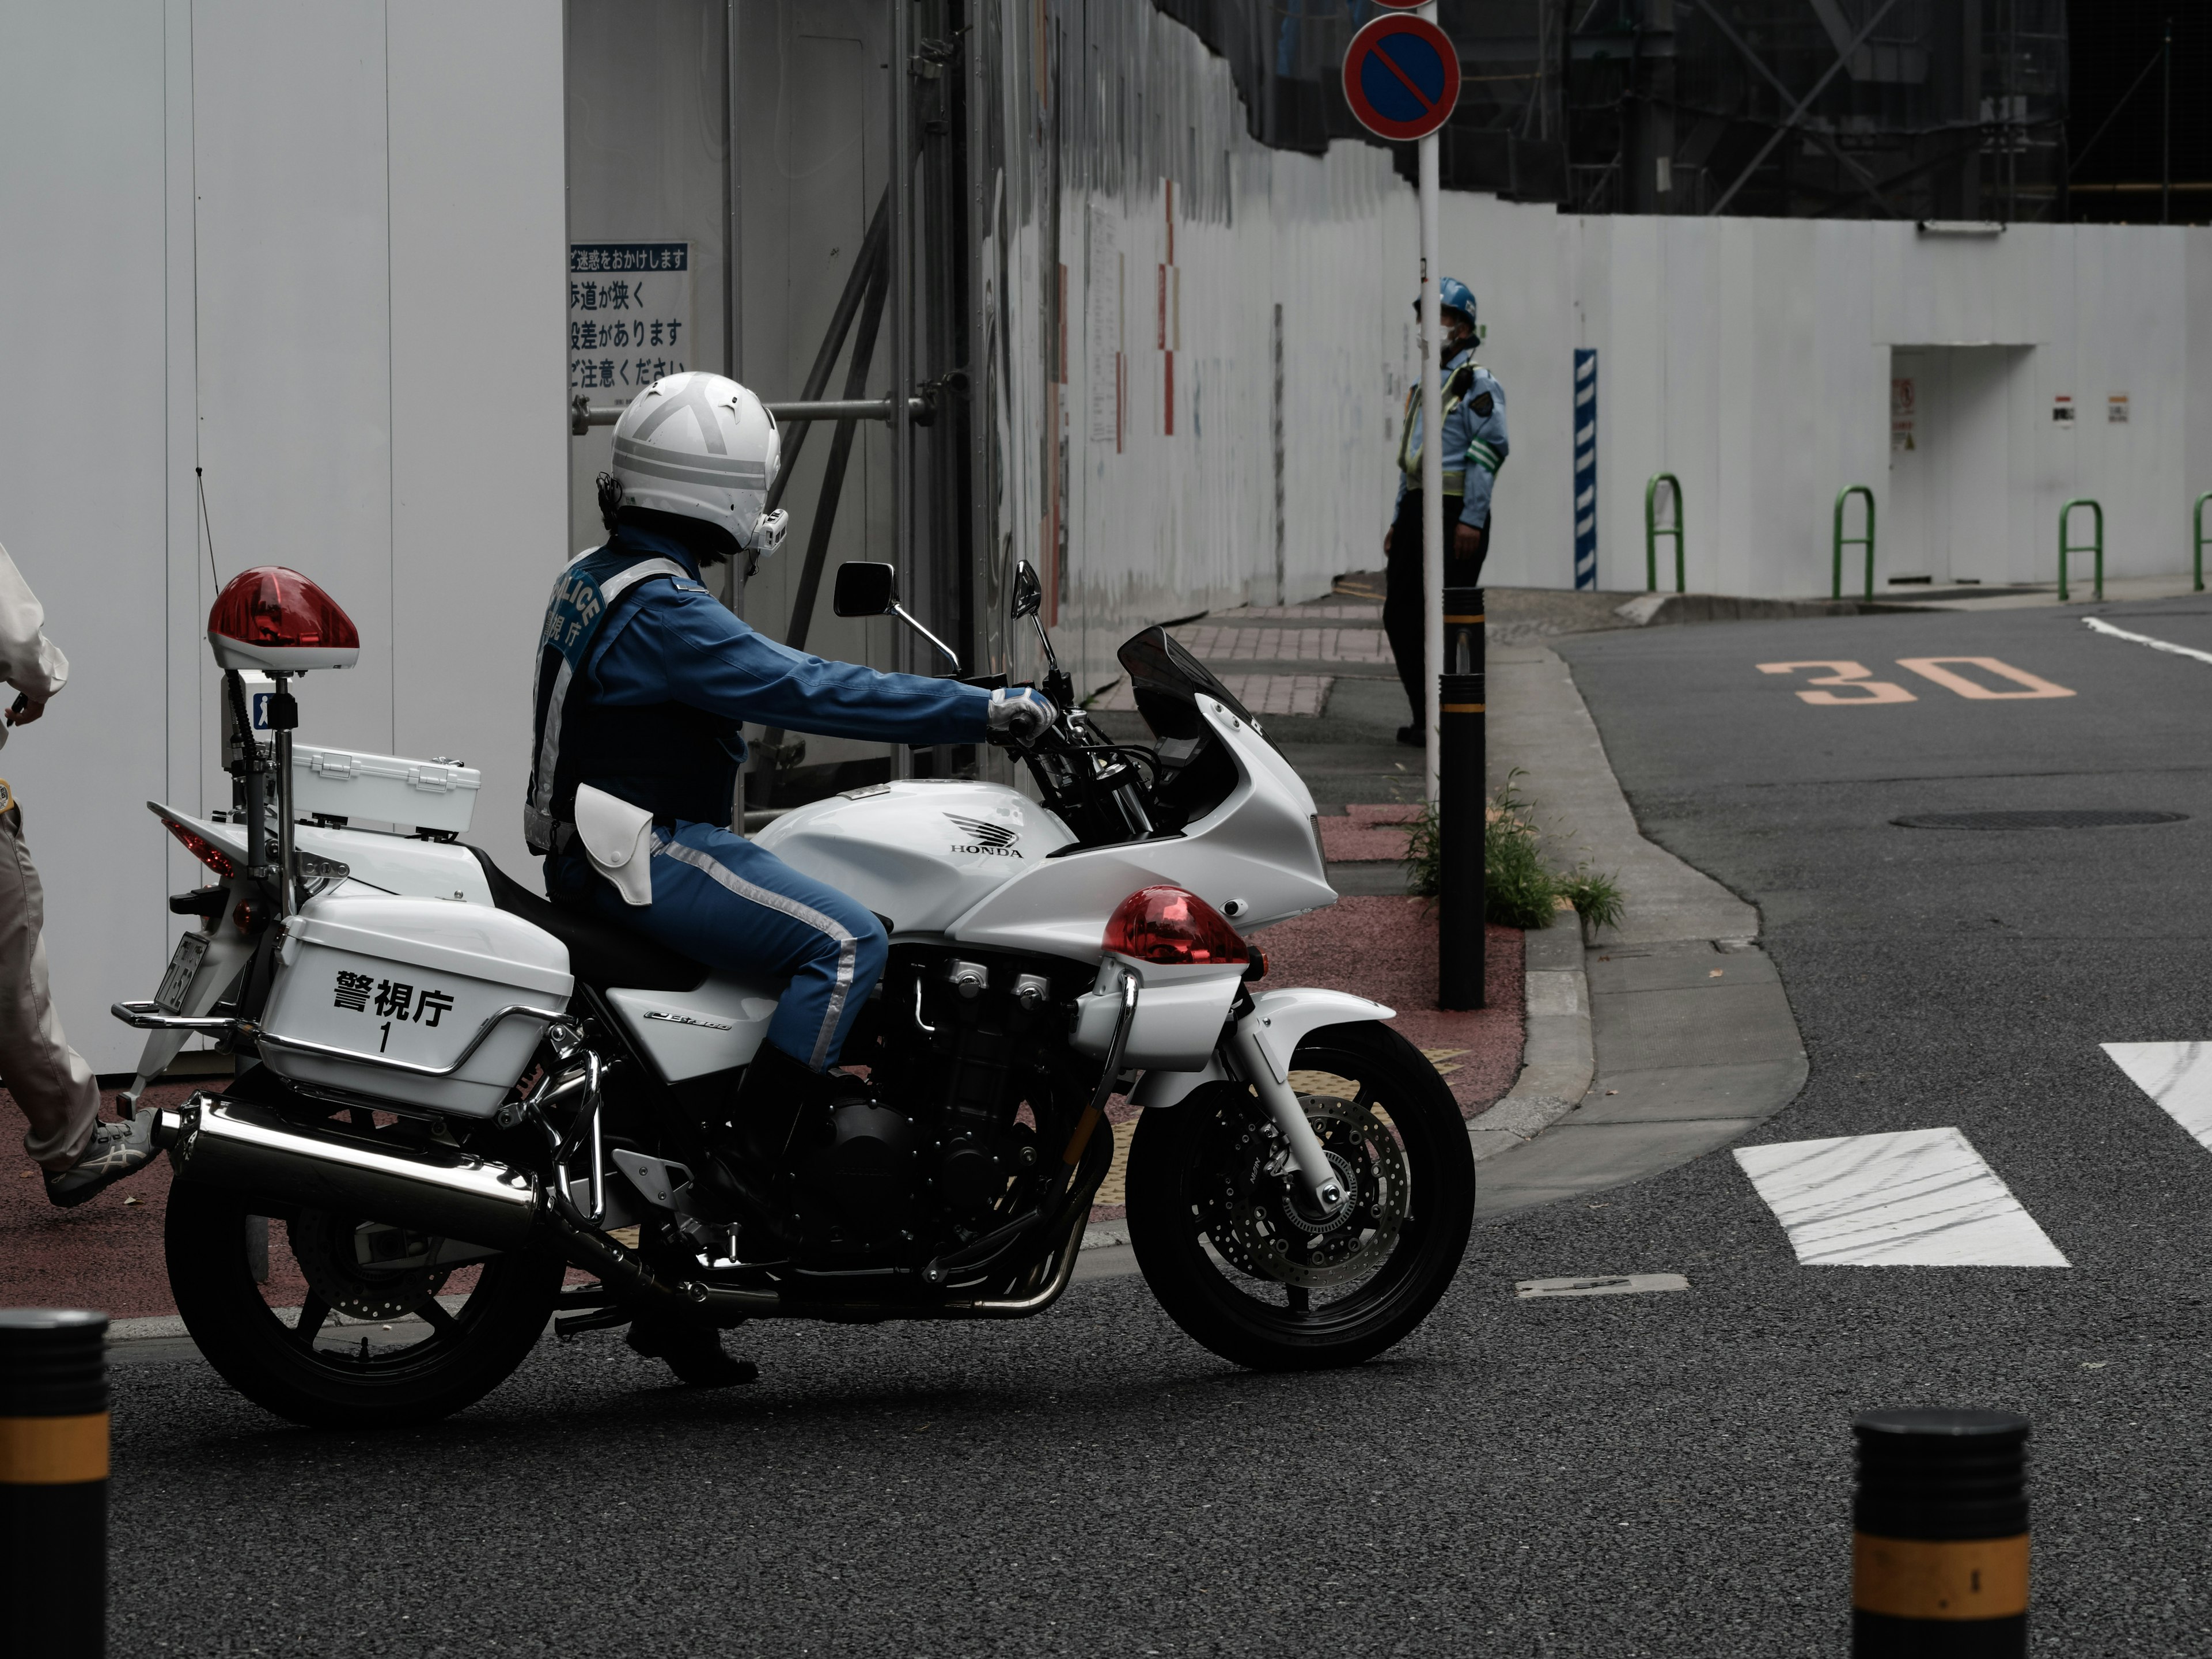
(1283, 1019)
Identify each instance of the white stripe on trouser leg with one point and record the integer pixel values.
(848, 947)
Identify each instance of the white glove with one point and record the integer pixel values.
(1021, 714)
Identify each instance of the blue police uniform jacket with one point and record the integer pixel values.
(644, 679)
(1474, 445)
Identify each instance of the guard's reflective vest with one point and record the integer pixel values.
(674, 760)
(1457, 382)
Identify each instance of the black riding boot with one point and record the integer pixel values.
(694, 1353)
(751, 1175)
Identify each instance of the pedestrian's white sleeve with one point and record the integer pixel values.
(29, 661)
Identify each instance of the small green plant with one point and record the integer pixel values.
(1518, 890)
(1597, 899)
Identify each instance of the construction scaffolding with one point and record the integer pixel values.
(1917, 109)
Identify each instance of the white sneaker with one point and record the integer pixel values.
(117, 1150)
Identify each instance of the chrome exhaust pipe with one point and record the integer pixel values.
(220, 1142)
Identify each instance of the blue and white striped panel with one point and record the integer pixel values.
(1585, 467)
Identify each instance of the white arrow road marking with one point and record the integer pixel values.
(1923, 1198)
(2177, 1075)
(2098, 624)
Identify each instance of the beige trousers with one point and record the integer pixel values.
(48, 1079)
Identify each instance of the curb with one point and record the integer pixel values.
(1558, 1057)
(1691, 1042)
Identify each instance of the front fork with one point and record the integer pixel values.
(1256, 1058)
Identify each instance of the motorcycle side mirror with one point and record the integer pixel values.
(865, 589)
(1029, 592)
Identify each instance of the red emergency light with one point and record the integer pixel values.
(1172, 926)
(274, 619)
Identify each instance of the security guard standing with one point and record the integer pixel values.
(1474, 448)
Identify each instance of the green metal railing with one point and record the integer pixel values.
(2201, 499)
(2096, 546)
(1653, 530)
(1844, 541)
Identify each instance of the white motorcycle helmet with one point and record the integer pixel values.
(704, 446)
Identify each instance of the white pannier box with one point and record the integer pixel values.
(383, 788)
(371, 987)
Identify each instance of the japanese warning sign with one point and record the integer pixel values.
(629, 316)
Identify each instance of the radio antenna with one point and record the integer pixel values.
(200, 474)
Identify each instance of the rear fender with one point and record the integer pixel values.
(227, 953)
(1284, 1019)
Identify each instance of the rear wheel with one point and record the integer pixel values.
(1233, 1245)
(401, 1339)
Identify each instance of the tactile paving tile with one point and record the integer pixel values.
(1213, 643)
(1262, 694)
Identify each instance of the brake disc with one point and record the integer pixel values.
(1262, 1220)
(324, 1244)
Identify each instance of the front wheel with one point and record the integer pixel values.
(379, 1346)
(1229, 1240)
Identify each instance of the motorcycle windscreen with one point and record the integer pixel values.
(1196, 774)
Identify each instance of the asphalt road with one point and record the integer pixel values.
(1623, 1475)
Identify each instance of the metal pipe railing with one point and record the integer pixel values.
(1836, 585)
(584, 415)
(2096, 546)
(1653, 530)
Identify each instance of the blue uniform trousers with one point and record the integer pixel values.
(721, 900)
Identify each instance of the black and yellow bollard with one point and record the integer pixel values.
(1939, 1551)
(1462, 755)
(53, 1481)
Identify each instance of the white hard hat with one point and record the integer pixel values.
(703, 446)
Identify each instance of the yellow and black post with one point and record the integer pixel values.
(54, 1481)
(1939, 1548)
(1462, 756)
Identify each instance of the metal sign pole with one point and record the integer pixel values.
(1432, 500)
(901, 317)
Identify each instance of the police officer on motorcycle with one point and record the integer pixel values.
(643, 681)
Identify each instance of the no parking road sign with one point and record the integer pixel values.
(1401, 76)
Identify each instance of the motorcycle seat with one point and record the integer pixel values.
(603, 954)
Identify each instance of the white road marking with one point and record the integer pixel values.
(2177, 1075)
(1921, 1198)
(2099, 625)
(1617, 1284)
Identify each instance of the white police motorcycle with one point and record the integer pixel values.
(449, 1091)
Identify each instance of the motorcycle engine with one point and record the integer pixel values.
(958, 1044)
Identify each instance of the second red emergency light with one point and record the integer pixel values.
(274, 619)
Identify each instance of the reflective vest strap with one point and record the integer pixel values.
(581, 602)
(1409, 458)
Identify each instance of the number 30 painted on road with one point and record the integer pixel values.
(1852, 678)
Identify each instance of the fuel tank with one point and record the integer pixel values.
(923, 851)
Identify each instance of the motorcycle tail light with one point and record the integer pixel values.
(203, 849)
(274, 619)
(1170, 925)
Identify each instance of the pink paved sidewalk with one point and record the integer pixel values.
(1386, 949)
(106, 1254)
(1368, 835)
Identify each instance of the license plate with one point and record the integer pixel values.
(183, 966)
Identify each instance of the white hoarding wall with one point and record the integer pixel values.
(315, 251)
(1755, 359)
